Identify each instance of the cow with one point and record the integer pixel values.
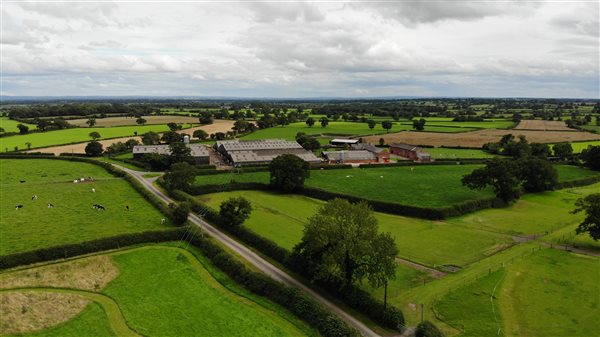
(93, 190)
(21, 181)
(127, 207)
(75, 181)
(17, 207)
(162, 221)
(50, 205)
(34, 197)
(100, 207)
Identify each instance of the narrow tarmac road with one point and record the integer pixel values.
(264, 265)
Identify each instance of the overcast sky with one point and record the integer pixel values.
(301, 49)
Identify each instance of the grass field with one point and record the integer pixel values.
(10, 125)
(445, 153)
(580, 146)
(282, 217)
(551, 293)
(59, 137)
(72, 219)
(473, 308)
(425, 186)
(168, 291)
(338, 128)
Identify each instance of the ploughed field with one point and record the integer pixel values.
(157, 290)
(423, 186)
(123, 121)
(72, 219)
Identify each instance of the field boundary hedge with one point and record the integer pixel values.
(87, 247)
(358, 299)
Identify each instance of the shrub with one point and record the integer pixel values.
(427, 329)
(180, 212)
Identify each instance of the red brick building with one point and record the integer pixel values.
(410, 151)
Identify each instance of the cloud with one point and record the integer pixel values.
(301, 49)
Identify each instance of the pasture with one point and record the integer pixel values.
(124, 121)
(178, 286)
(337, 128)
(567, 303)
(72, 219)
(75, 135)
(424, 186)
(578, 147)
(446, 153)
(282, 217)
(10, 125)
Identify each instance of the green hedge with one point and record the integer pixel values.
(427, 329)
(87, 247)
(578, 182)
(307, 309)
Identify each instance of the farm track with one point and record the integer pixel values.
(265, 266)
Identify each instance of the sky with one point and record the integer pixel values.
(487, 48)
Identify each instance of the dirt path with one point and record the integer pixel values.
(217, 126)
(433, 272)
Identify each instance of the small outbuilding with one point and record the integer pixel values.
(410, 152)
(343, 141)
(349, 157)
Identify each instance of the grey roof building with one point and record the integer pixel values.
(198, 151)
(358, 156)
(253, 152)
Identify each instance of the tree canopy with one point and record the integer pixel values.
(341, 245)
(180, 176)
(591, 224)
(234, 211)
(93, 149)
(498, 173)
(288, 172)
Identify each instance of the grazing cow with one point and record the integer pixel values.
(75, 181)
(100, 207)
(93, 190)
(34, 197)
(412, 169)
(162, 221)
(127, 207)
(50, 205)
(21, 181)
(18, 207)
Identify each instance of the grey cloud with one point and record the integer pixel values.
(270, 12)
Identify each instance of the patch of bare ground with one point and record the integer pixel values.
(217, 126)
(91, 273)
(543, 125)
(480, 137)
(123, 121)
(29, 311)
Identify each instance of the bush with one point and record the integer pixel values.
(427, 329)
(180, 212)
(70, 250)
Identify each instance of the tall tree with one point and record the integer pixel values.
(324, 121)
(141, 120)
(91, 122)
(563, 150)
(591, 157)
(179, 153)
(150, 138)
(94, 135)
(341, 244)
(371, 123)
(537, 174)
(234, 211)
(310, 121)
(591, 224)
(498, 173)
(288, 172)
(23, 129)
(180, 176)
(93, 149)
(200, 134)
(387, 125)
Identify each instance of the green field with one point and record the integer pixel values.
(423, 186)
(338, 128)
(75, 135)
(473, 309)
(169, 291)
(580, 146)
(282, 217)
(445, 153)
(564, 306)
(10, 125)
(72, 219)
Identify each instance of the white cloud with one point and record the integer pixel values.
(301, 49)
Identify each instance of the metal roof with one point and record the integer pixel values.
(349, 155)
(196, 150)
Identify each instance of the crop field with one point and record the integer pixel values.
(486, 124)
(423, 186)
(480, 137)
(10, 125)
(282, 217)
(72, 219)
(155, 291)
(123, 121)
(542, 125)
(66, 136)
(578, 147)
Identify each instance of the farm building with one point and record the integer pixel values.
(343, 141)
(410, 151)
(253, 152)
(382, 155)
(349, 157)
(199, 152)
